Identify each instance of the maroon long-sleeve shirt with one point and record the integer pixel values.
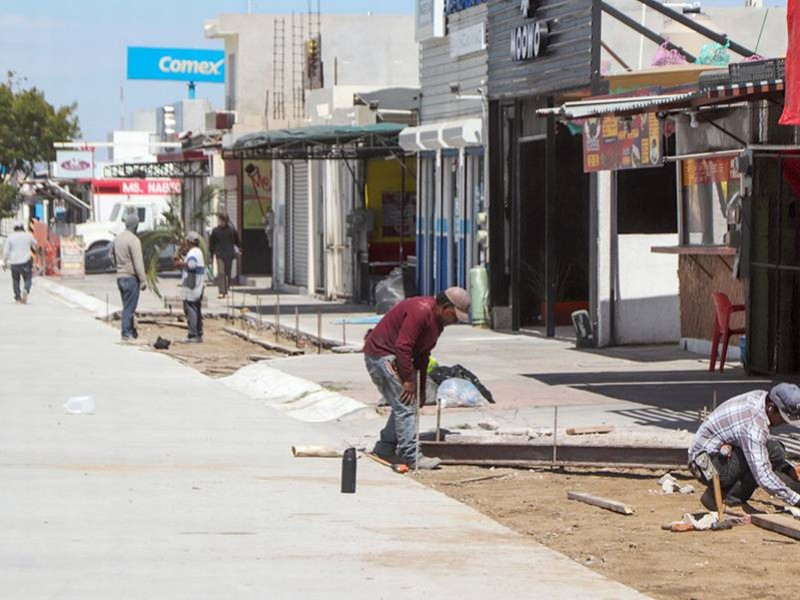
(409, 331)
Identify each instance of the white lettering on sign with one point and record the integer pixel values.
(529, 40)
(137, 187)
(167, 64)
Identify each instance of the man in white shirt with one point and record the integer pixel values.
(17, 255)
(192, 285)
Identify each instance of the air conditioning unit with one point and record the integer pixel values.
(222, 120)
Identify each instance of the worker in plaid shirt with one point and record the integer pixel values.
(736, 438)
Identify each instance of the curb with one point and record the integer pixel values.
(294, 396)
(80, 299)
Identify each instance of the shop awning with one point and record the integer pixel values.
(319, 142)
(620, 106)
(630, 105)
(447, 134)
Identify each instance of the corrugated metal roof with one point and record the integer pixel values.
(618, 106)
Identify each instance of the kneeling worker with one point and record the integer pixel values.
(736, 439)
(398, 346)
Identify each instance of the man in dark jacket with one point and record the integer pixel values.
(398, 348)
(224, 246)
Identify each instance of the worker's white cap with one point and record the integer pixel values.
(459, 298)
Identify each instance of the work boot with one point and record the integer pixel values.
(194, 340)
(426, 463)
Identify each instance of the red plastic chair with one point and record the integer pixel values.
(722, 328)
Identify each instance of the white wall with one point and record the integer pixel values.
(375, 50)
(647, 306)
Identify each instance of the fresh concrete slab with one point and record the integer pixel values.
(178, 487)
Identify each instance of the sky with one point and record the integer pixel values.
(74, 50)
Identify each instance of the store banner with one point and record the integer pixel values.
(615, 143)
(791, 105)
(74, 164)
(256, 193)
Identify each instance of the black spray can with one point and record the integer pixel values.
(349, 471)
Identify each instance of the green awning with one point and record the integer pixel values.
(320, 142)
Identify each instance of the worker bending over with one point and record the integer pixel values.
(394, 350)
(736, 439)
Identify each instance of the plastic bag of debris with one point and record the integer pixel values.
(460, 393)
(389, 292)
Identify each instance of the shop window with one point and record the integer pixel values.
(646, 201)
(709, 187)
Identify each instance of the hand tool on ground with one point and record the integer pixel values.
(401, 468)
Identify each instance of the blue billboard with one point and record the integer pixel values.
(176, 64)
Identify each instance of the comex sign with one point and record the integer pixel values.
(529, 39)
(176, 64)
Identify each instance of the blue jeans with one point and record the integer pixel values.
(24, 270)
(399, 435)
(194, 317)
(129, 291)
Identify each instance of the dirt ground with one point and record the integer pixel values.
(744, 562)
(221, 353)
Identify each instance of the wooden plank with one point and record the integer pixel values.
(783, 524)
(266, 345)
(590, 430)
(612, 505)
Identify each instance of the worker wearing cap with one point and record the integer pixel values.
(394, 351)
(17, 254)
(131, 277)
(193, 269)
(736, 437)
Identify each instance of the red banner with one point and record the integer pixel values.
(791, 106)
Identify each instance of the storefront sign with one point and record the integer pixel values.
(256, 193)
(74, 164)
(524, 61)
(468, 40)
(72, 256)
(615, 143)
(429, 20)
(529, 39)
(137, 187)
(454, 6)
(176, 64)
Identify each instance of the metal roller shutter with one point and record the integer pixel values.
(299, 224)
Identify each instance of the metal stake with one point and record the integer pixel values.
(277, 316)
(108, 317)
(319, 331)
(258, 305)
(555, 434)
(344, 332)
(297, 326)
(438, 419)
(715, 401)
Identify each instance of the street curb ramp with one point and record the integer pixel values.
(296, 397)
(81, 299)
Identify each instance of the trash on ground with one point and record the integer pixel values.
(441, 373)
(458, 393)
(669, 485)
(315, 452)
(79, 405)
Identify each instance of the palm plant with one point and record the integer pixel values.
(172, 233)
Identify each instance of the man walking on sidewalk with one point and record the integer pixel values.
(394, 350)
(224, 245)
(192, 285)
(17, 253)
(131, 276)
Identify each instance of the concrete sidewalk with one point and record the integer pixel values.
(181, 488)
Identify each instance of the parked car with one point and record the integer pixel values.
(99, 259)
